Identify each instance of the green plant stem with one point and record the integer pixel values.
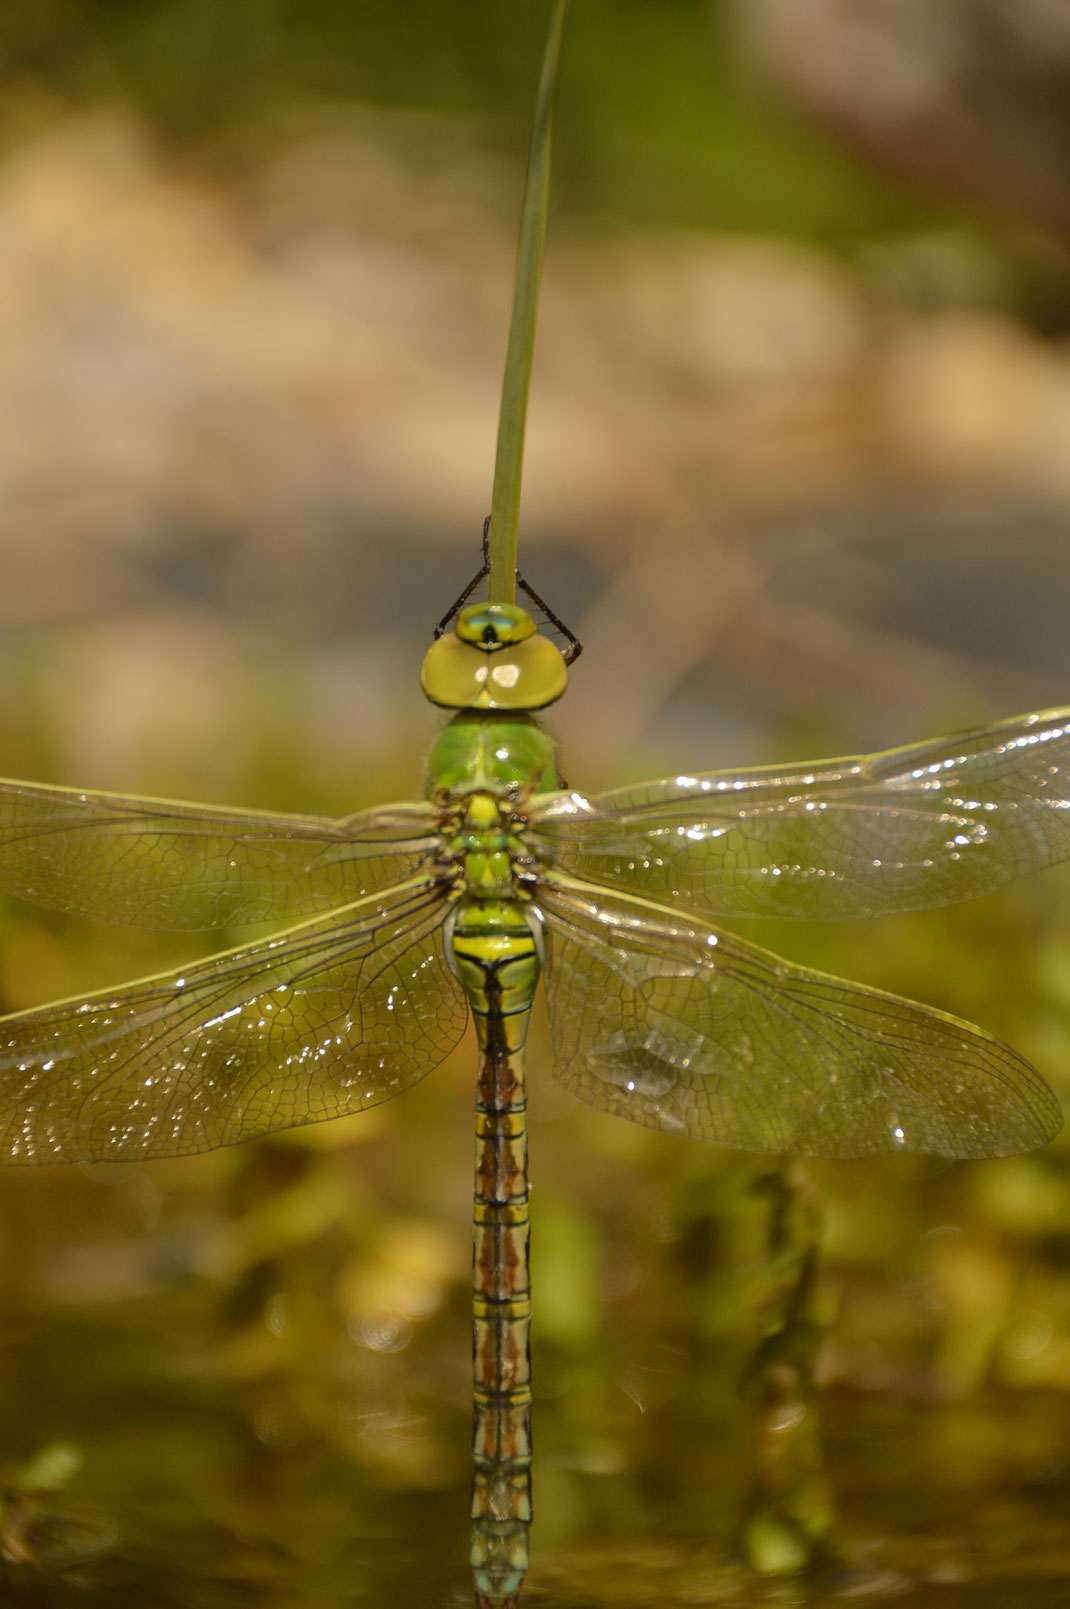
(509, 458)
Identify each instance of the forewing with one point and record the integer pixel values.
(333, 1016)
(905, 830)
(680, 1027)
(154, 863)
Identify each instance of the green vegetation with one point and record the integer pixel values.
(658, 121)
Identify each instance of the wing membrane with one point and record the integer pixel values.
(154, 863)
(338, 1014)
(905, 830)
(677, 1026)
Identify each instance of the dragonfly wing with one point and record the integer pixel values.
(333, 1016)
(154, 863)
(677, 1026)
(905, 830)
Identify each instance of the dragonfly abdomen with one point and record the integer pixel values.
(496, 957)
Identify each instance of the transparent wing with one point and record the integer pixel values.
(909, 829)
(677, 1026)
(154, 863)
(333, 1016)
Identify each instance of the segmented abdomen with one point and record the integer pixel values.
(495, 954)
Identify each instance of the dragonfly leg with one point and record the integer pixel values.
(574, 647)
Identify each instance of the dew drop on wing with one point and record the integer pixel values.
(650, 1083)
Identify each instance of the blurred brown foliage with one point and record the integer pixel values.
(969, 95)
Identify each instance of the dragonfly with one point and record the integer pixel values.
(408, 918)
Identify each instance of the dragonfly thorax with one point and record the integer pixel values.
(484, 752)
(484, 847)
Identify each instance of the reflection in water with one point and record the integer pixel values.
(637, 1502)
(37, 1536)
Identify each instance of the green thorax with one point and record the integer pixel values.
(486, 752)
(482, 769)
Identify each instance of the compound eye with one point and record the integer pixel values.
(528, 676)
(491, 626)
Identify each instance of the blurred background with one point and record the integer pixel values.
(798, 476)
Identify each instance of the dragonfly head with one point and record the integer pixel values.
(493, 659)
